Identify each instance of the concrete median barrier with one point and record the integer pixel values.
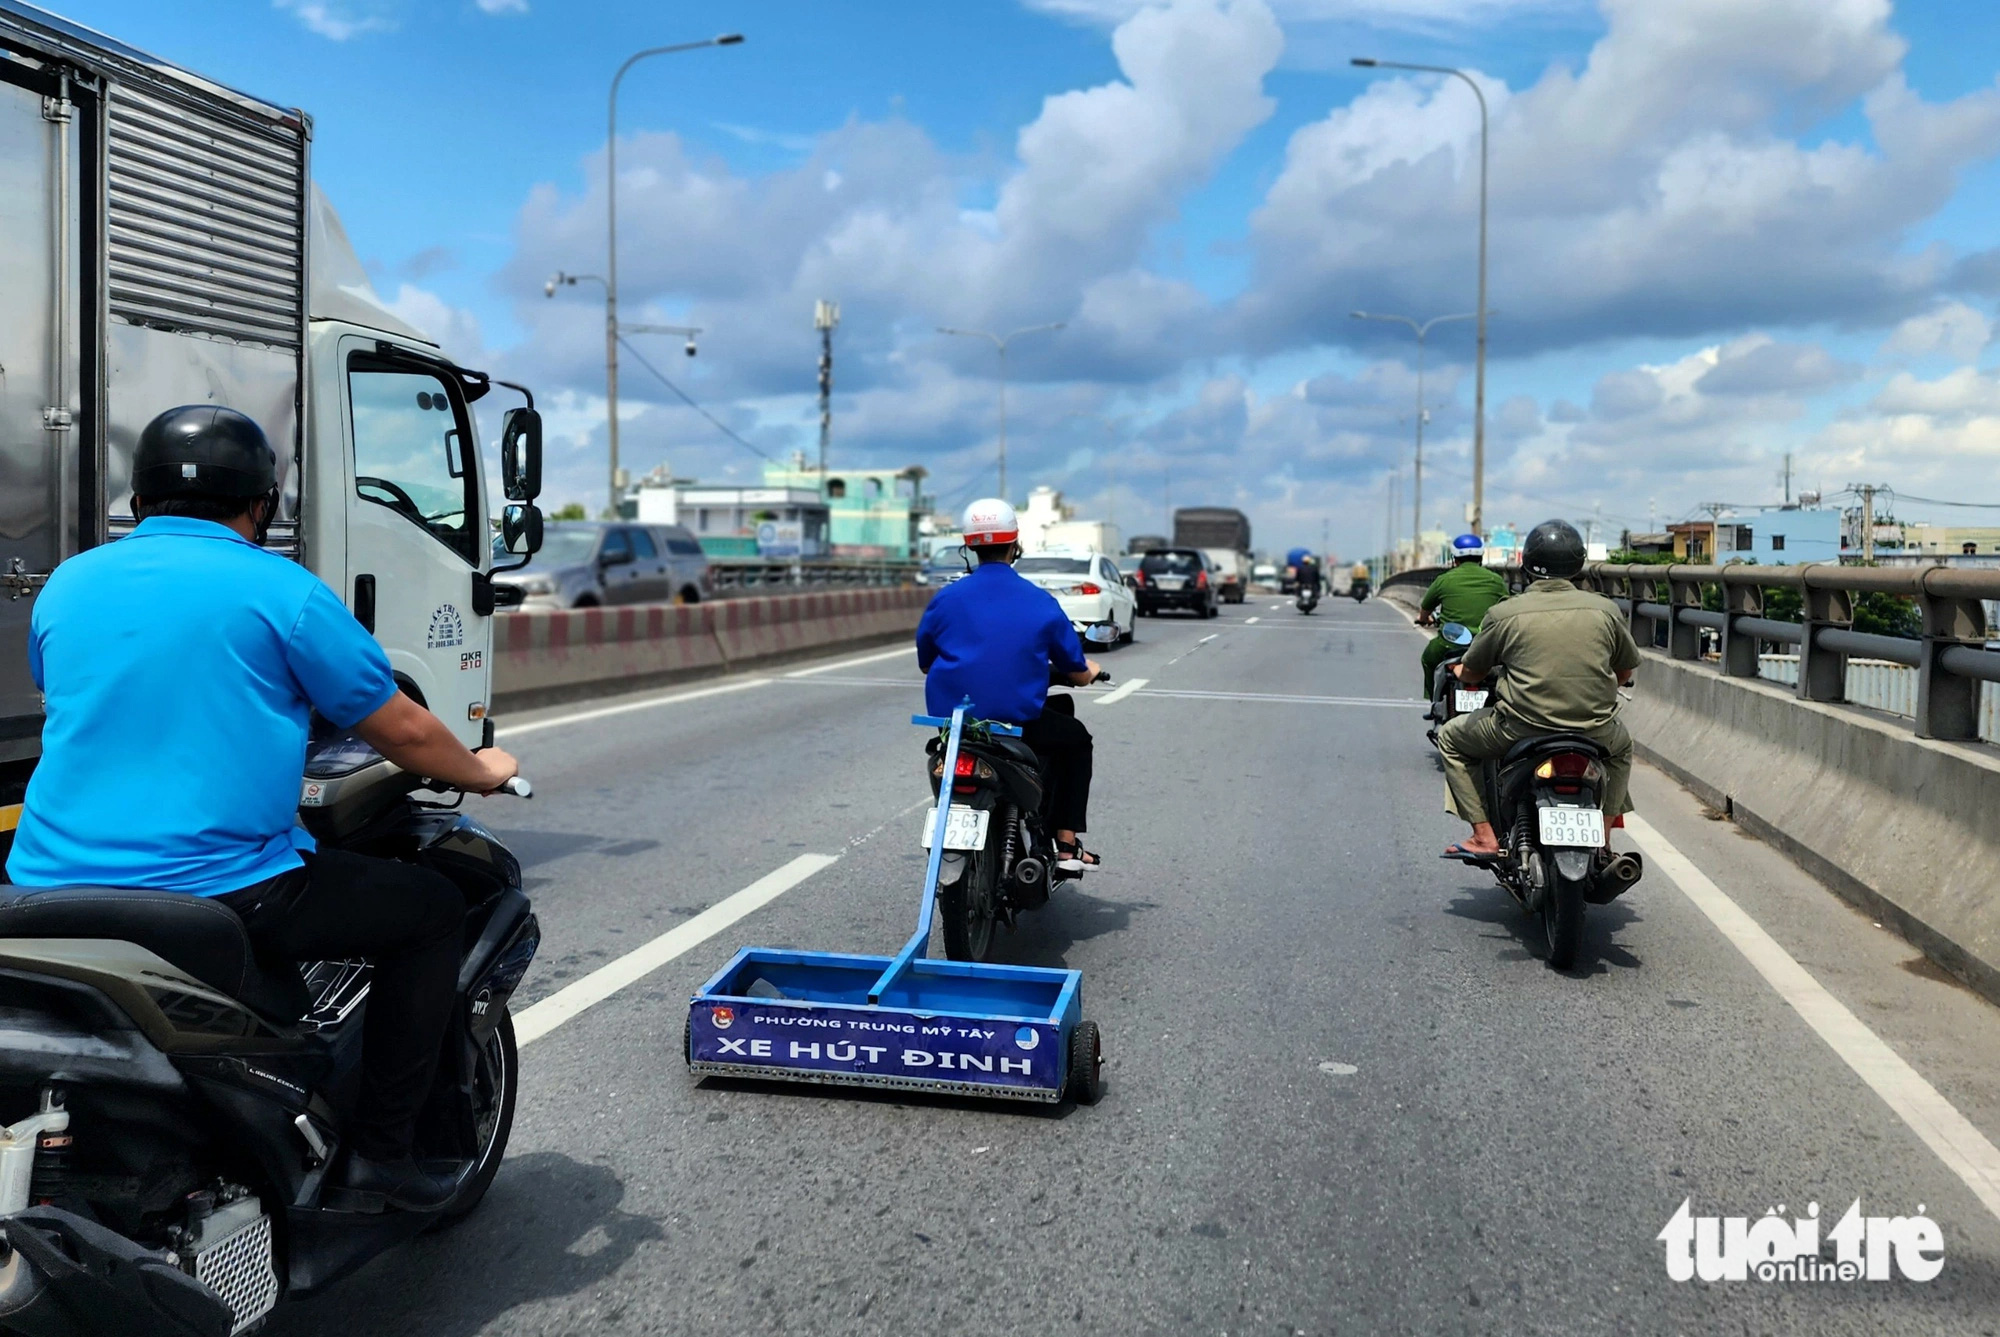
(1906, 828)
(543, 657)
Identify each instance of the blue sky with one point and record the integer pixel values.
(1723, 230)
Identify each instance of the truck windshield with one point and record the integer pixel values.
(412, 451)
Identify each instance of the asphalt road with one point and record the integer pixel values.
(1343, 1094)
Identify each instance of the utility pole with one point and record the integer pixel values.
(826, 316)
(1788, 478)
(1389, 533)
(1868, 491)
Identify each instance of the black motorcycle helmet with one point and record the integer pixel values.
(203, 450)
(1554, 551)
(205, 453)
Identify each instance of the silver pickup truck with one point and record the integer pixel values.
(586, 564)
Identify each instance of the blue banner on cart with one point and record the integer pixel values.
(882, 1043)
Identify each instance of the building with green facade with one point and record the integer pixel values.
(873, 512)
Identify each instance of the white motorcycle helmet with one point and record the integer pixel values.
(990, 522)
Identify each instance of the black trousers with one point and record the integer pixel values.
(407, 922)
(1060, 740)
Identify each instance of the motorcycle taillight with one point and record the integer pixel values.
(1573, 767)
(964, 767)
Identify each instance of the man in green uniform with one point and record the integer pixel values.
(1463, 593)
(1567, 652)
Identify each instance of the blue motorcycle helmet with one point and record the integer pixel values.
(1468, 548)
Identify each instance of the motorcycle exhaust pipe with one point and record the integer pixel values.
(1029, 871)
(1625, 869)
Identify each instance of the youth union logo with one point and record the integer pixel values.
(1773, 1248)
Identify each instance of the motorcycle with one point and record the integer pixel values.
(1545, 800)
(1308, 598)
(999, 850)
(1359, 590)
(189, 1098)
(1451, 698)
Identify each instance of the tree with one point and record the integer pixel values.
(570, 510)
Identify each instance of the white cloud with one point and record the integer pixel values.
(1647, 193)
(1951, 329)
(1387, 13)
(455, 329)
(333, 20)
(502, 6)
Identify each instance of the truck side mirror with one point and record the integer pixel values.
(521, 529)
(521, 458)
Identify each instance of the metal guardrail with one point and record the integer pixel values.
(1951, 657)
(728, 577)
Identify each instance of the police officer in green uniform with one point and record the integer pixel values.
(1462, 593)
(1566, 653)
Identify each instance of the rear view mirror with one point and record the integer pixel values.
(521, 456)
(1102, 633)
(1456, 633)
(521, 529)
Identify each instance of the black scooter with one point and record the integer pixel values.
(1451, 698)
(1545, 797)
(1308, 598)
(184, 1100)
(1000, 850)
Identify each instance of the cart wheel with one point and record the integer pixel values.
(1086, 1064)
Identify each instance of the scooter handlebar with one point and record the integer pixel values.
(518, 786)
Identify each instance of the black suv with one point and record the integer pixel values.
(1178, 578)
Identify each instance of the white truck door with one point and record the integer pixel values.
(417, 536)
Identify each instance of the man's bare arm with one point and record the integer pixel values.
(419, 742)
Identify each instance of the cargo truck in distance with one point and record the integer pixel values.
(176, 1106)
(1224, 534)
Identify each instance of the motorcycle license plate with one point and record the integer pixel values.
(1171, 582)
(1465, 702)
(964, 828)
(1573, 826)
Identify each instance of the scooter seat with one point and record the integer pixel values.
(197, 934)
(1552, 742)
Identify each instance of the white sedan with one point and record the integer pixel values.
(1088, 587)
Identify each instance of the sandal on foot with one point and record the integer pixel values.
(1072, 857)
(1477, 858)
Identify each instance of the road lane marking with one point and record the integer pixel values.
(581, 716)
(1206, 639)
(1949, 1134)
(1248, 620)
(1120, 692)
(1193, 694)
(861, 682)
(904, 651)
(606, 980)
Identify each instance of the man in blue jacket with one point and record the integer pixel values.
(997, 639)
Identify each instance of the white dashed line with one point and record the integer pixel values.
(901, 651)
(581, 716)
(600, 984)
(1120, 692)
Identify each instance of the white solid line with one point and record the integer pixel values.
(1120, 692)
(581, 716)
(635, 965)
(907, 652)
(1248, 620)
(1962, 1147)
(1206, 639)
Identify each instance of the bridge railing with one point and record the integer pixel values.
(731, 577)
(1950, 658)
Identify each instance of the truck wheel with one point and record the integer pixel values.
(1086, 1065)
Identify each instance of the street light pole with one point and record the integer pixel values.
(1417, 488)
(1479, 374)
(1000, 343)
(611, 240)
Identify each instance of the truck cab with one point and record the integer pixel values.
(165, 245)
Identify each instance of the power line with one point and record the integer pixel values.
(687, 399)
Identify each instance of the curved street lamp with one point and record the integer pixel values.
(611, 240)
(1479, 375)
(1417, 490)
(1000, 342)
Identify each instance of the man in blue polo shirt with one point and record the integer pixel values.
(179, 667)
(995, 638)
